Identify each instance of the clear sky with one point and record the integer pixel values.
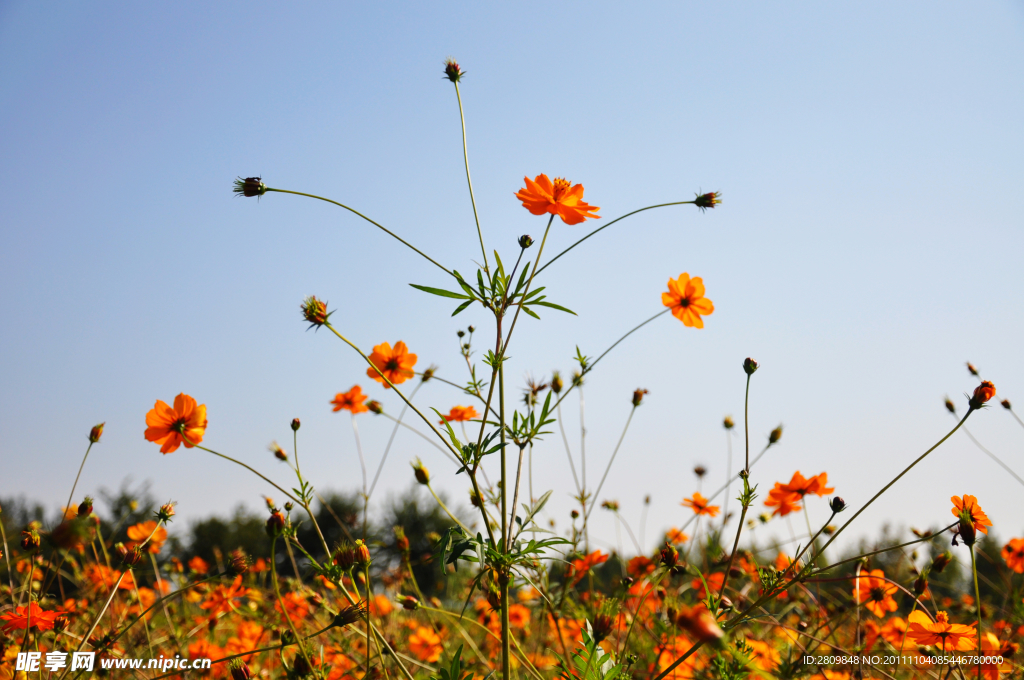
(870, 157)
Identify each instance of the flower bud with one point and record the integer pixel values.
(428, 373)
(61, 623)
(30, 539)
(250, 186)
(166, 512)
(296, 424)
(288, 506)
(699, 623)
(602, 627)
(950, 406)
(400, 539)
(638, 396)
(470, 329)
(971, 369)
(275, 524)
(669, 556)
(920, 585)
(374, 407)
(409, 603)
(129, 557)
(709, 200)
(556, 382)
(829, 530)
(574, 514)
(239, 563)
(350, 614)
(775, 435)
(287, 637)
(85, 507)
(525, 241)
(749, 366)
(452, 70)
(345, 556)
(837, 504)
(314, 311)
(727, 423)
(982, 393)
(940, 561)
(278, 452)
(96, 432)
(362, 554)
(239, 670)
(474, 499)
(1006, 404)
(700, 471)
(421, 472)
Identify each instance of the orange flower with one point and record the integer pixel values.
(982, 393)
(893, 631)
(675, 536)
(138, 533)
(460, 414)
(969, 506)
(640, 566)
(1013, 553)
(560, 197)
(715, 582)
(518, 616)
(579, 567)
(396, 364)
(923, 631)
(198, 565)
(783, 501)
(875, 593)
(294, 603)
(425, 645)
(31, 616)
(172, 427)
(221, 599)
(686, 298)
(352, 400)
(700, 506)
(763, 654)
(801, 486)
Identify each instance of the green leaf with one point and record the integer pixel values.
(552, 305)
(438, 291)
(530, 312)
(463, 306)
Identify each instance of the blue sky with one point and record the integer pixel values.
(870, 157)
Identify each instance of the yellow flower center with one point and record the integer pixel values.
(562, 185)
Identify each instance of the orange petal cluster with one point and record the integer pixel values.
(169, 427)
(969, 505)
(875, 593)
(560, 197)
(395, 363)
(352, 400)
(700, 506)
(685, 297)
(460, 414)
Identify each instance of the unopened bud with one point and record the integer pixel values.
(96, 432)
(574, 514)
(837, 504)
(727, 423)
(556, 382)
(250, 186)
(401, 540)
(920, 585)
(775, 435)
(85, 507)
(166, 512)
(374, 407)
(708, 200)
(602, 627)
(1006, 404)
(239, 563)
(700, 471)
(638, 396)
(239, 670)
(749, 366)
(421, 472)
(950, 406)
(410, 603)
(61, 623)
(525, 241)
(362, 554)
(129, 556)
(452, 70)
(278, 452)
(940, 561)
(982, 393)
(669, 556)
(428, 373)
(314, 311)
(971, 369)
(275, 524)
(296, 424)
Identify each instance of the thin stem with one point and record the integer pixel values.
(280, 600)
(359, 450)
(722, 488)
(606, 225)
(469, 180)
(1016, 417)
(896, 479)
(728, 477)
(977, 604)
(993, 456)
(356, 212)
(515, 500)
(526, 291)
(7, 557)
(612, 460)
(250, 469)
(568, 452)
(636, 328)
(387, 449)
(80, 467)
(503, 577)
(446, 510)
(746, 425)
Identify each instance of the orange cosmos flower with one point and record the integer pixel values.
(1013, 553)
(560, 197)
(579, 567)
(801, 486)
(140, 532)
(763, 654)
(783, 501)
(31, 616)
(700, 506)
(675, 536)
(460, 414)
(425, 645)
(221, 599)
(894, 630)
(923, 631)
(715, 582)
(875, 593)
(969, 505)
(352, 400)
(982, 393)
(396, 364)
(686, 298)
(167, 426)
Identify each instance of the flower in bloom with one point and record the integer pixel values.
(923, 631)
(675, 536)
(351, 400)
(875, 593)
(425, 645)
(579, 567)
(783, 501)
(31, 616)
(518, 616)
(1013, 553)
(698, 622)
(172, 427)
(138, 533)
(396, 364)
(685, 297)
(460, 414)
(700, 506)
(639, 566)
(560, 197)
(221, 599)
(968, 507)
(296, 606)
(763, 654)
(817, 485)
(982, 393)
(714, 581)
(893, 631)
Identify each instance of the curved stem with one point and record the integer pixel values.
(610, 461)
(591, 366)
(80, 467)
(469, 180)
(391, 440)
(993, 456)
(568, 452)
(446, 510)
(605, 226)
(250, 469)
(526, 291)
(356, 212)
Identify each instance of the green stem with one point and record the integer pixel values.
(977, 605)
(606, 225)
(80, 468)
(284, 609)
(469, 180)
(610, 461)
(746, 425)
(356, 212)
(503, 577)
(526, 291)
(387, 449)
(247, 467)
(447, 511)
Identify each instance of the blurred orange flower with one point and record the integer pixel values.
(801, 486)
(783, 501)
(1013, 553)
(700, 506)
(640, 566)
(560, 197)
(893, 631)
(714, 583)
(763, 654)
(675, 536)
(32, 616)
(396, 364)
(296, 605)
(875, 593)
(518, 616)
(425, 645)
(137, 533)
(198, 565)
(221, 599)
(460, 414)
(171, 427)
(686, 298)
(969, 504)
(579, 567)
(353, 399)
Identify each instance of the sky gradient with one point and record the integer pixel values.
(869, 155)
